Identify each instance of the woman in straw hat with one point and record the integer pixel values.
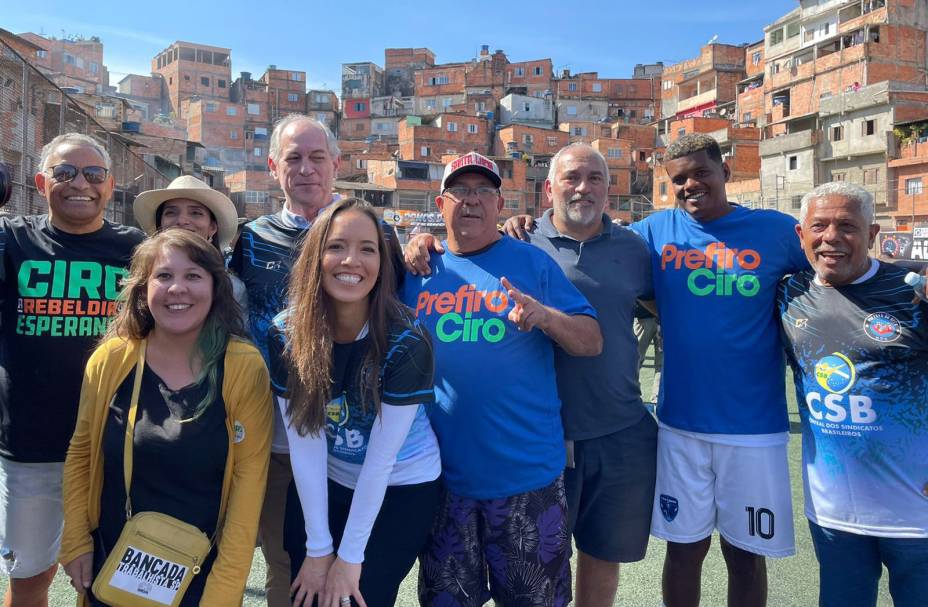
(190, 204)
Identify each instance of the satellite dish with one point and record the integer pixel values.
(713, 39)
(723, 111)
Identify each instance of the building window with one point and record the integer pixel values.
(452, 127)
(231, 110)
(746, 117)
(94, 67)
(551, 141)
(446, 102)
(527, 139)
(667, 85)
(480, 106)
(837, 133)
(437, 80)
(221, 83)
(425, 151)
(681, 132)
(755, 58)
(571, 110)
(580, 131)
(597, 87)
(793, 163)
(472, 129)
(430, 104)
(70, 59)
(40, 54)
(511, 203)
(520, 71)
(204, 80)
(836, 176)
(258, 152)
(359, 127)
(913, 186)
(792, 30)
(776, 36)
(254, 109)
(868, 127)
(360, 163)
(796, 202)
(663, 188)
(293, 97)
(614, 153)
(572, 87)
(186, 77)
(871, 176)
(233, 134)
(296, 76)
(526, 107)
(212, 107)
(360, 106)
(605, 131)
(260, 131)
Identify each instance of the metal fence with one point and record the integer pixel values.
(32, 112)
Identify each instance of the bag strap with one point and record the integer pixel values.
(130, 434)
(130, 426)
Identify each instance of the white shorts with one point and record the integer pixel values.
(744, 491)
(31, 517)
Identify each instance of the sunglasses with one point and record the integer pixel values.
(63, 173)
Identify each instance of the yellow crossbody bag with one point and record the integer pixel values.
(157, 555)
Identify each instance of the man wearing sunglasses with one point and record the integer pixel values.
(59, 278)
(497, 308)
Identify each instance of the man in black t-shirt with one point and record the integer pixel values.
(60, 275)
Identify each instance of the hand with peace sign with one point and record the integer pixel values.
(527, 313)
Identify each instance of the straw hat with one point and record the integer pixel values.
(146, 206)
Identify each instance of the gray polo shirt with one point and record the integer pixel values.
(600, 394)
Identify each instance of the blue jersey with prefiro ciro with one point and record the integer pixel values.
(497, 413)
(859, 355)
(715, 284)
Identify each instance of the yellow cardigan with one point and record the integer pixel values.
(247, 395)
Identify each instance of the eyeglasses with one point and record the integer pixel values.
(63, 173)
(483, 192)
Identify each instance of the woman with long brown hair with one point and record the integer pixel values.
(353, 373)
(200, 421)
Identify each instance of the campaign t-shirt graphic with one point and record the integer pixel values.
(498, 413)
(58, 293)
(859, 355)
(715, 285)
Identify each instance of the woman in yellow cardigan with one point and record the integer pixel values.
(202, 433)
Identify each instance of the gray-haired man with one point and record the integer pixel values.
(303, 157)
(59, 279)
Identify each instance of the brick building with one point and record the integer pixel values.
(839, 76)
(74, 63)
(703, 84)
(445, 134)
(400, 66)
(191, 69)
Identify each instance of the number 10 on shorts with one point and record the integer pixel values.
(760, 522)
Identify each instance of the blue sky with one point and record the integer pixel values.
(317, 37)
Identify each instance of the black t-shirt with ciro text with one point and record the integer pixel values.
(57, 295)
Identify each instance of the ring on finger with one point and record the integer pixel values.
(345, 600)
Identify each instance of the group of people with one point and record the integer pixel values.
(472, 403)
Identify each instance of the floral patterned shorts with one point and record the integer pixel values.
(515, 550)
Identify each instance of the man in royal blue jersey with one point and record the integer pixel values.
(722, 460)
(858, 346)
